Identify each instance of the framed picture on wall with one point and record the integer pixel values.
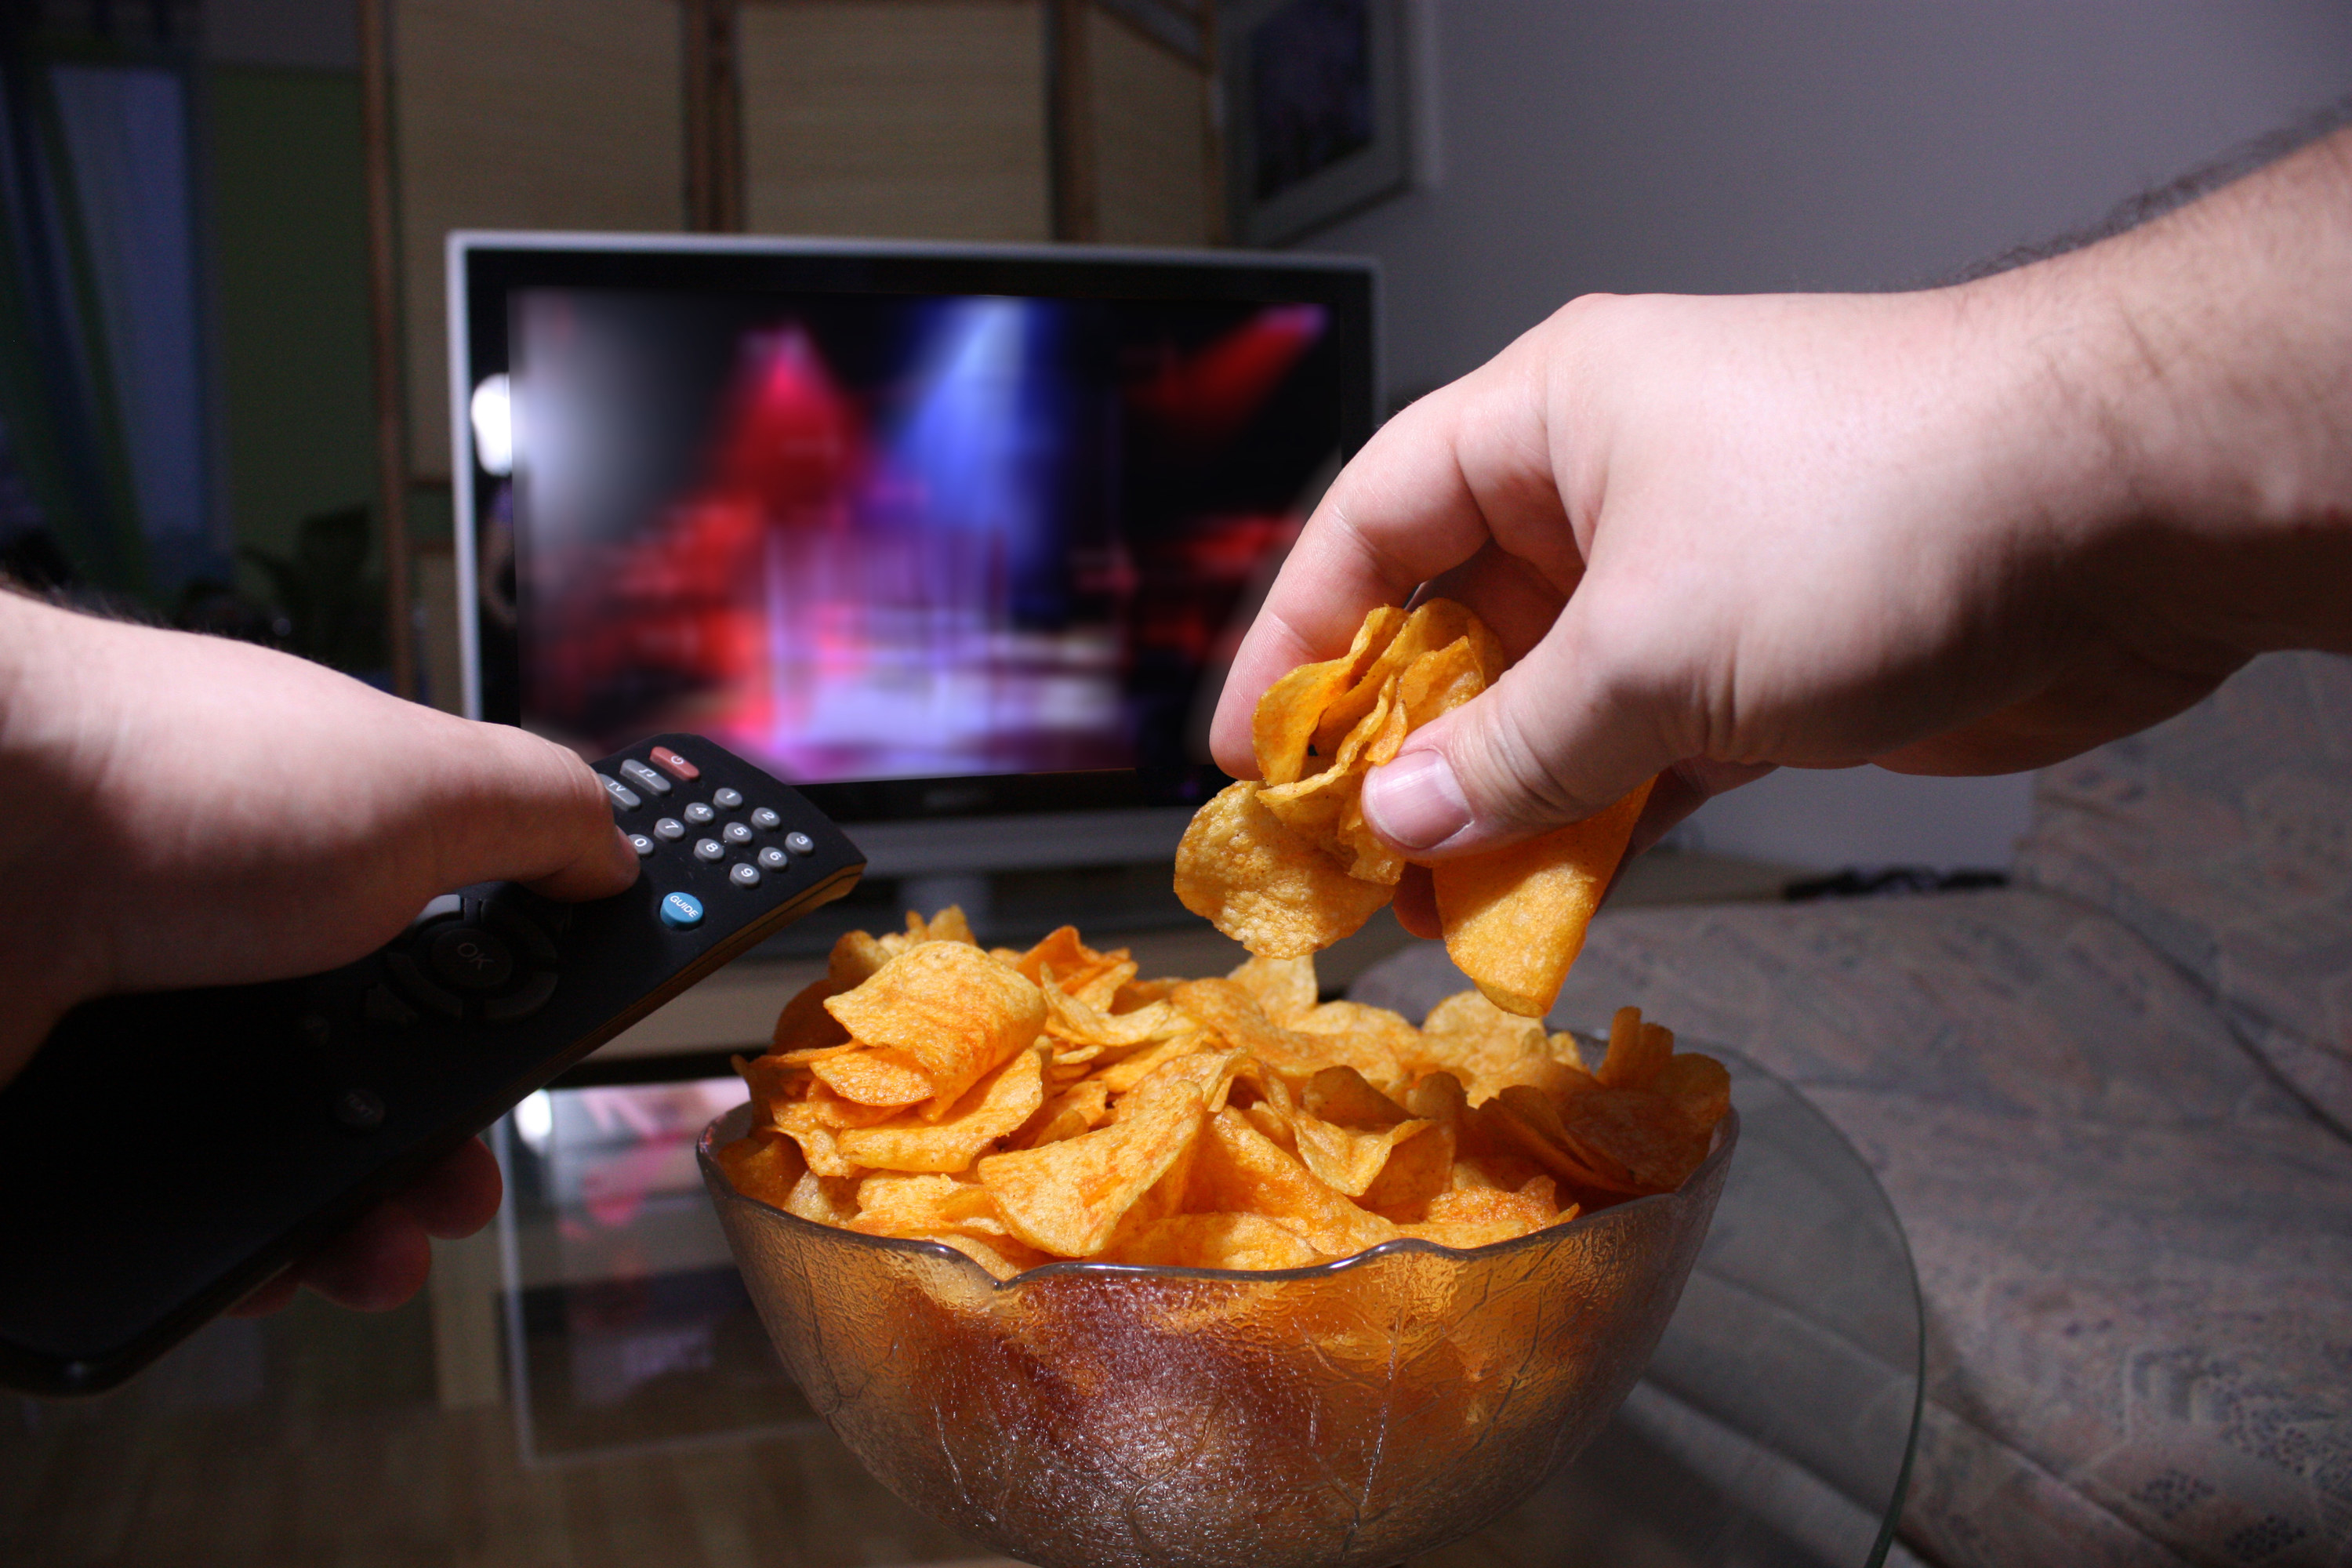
(1315, 113)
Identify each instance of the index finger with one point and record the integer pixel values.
(1467, 464)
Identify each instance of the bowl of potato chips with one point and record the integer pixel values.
(1102, 1269)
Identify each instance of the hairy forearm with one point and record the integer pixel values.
(2211, 355)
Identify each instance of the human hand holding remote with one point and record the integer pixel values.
(190, 811)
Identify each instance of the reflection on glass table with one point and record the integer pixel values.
(1776, 1421)
(627, 1323)
(642, 1417)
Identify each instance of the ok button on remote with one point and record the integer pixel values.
(470, 958)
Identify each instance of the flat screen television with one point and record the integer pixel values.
(957, 538)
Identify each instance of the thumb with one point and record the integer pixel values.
(516, 807)
(1554, 739)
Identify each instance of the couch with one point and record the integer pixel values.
(2109, 1102)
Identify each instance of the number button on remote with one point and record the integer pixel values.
(800, 844)
(708, 850)
(669, 828)
(773, 859)
(641, 844)
(726, 799)
(744, 874)
(766, 821)
(699, 814)
(737, 833)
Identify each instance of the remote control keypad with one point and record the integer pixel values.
(697, 827)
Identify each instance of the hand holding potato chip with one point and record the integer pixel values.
(1287, 866)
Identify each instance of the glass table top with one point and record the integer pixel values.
(586, 1382)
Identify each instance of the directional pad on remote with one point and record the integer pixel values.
(469, 959)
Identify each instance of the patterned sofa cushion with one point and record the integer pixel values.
(2224, 837)
(2133, 1248)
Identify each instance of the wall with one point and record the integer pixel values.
(1705, 146)
(288, 223)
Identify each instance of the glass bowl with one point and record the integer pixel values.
(1085, 1414)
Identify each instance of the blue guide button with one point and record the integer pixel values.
(680, 910)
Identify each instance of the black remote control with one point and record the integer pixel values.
(162, 1154)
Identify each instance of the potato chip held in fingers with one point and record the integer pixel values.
(1263, 885)
(1515, 918)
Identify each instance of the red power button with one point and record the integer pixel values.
(676, 766)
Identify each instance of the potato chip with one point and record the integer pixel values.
(1215, 1241)
(1697, 1086)
(1242, 1170)
(1532, 1121)
(1259, 861)
(1434, 684)
(1347, 1159)
(1060, 948)
(1481, 1217)
(1344, 1097)
(856, 958)
(1283, 726)
(827, 1200)
(1487, 1048)
(1001, 1255)
(1284, 987)
(1122, 1076)
(1228, 1123)
(1081, 1108)
(1515, 918)
(1073, 1018)
(1417, 1170)
(1067, 1198)
(1637, 1051)
(1265, 886)
(1142, 994)
(948, 925)
(1372, 1040)
(1641, 1131)
(873, 1076)
(1431, 627)
(990, 1109)
(1314, 807)
(805, 1025)
(893, 1204)
(765, 1165)
(771, 1080)
(954, 1010)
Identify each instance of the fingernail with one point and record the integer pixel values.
(1415, 800)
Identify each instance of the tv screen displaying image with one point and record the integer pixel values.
(922, 551)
